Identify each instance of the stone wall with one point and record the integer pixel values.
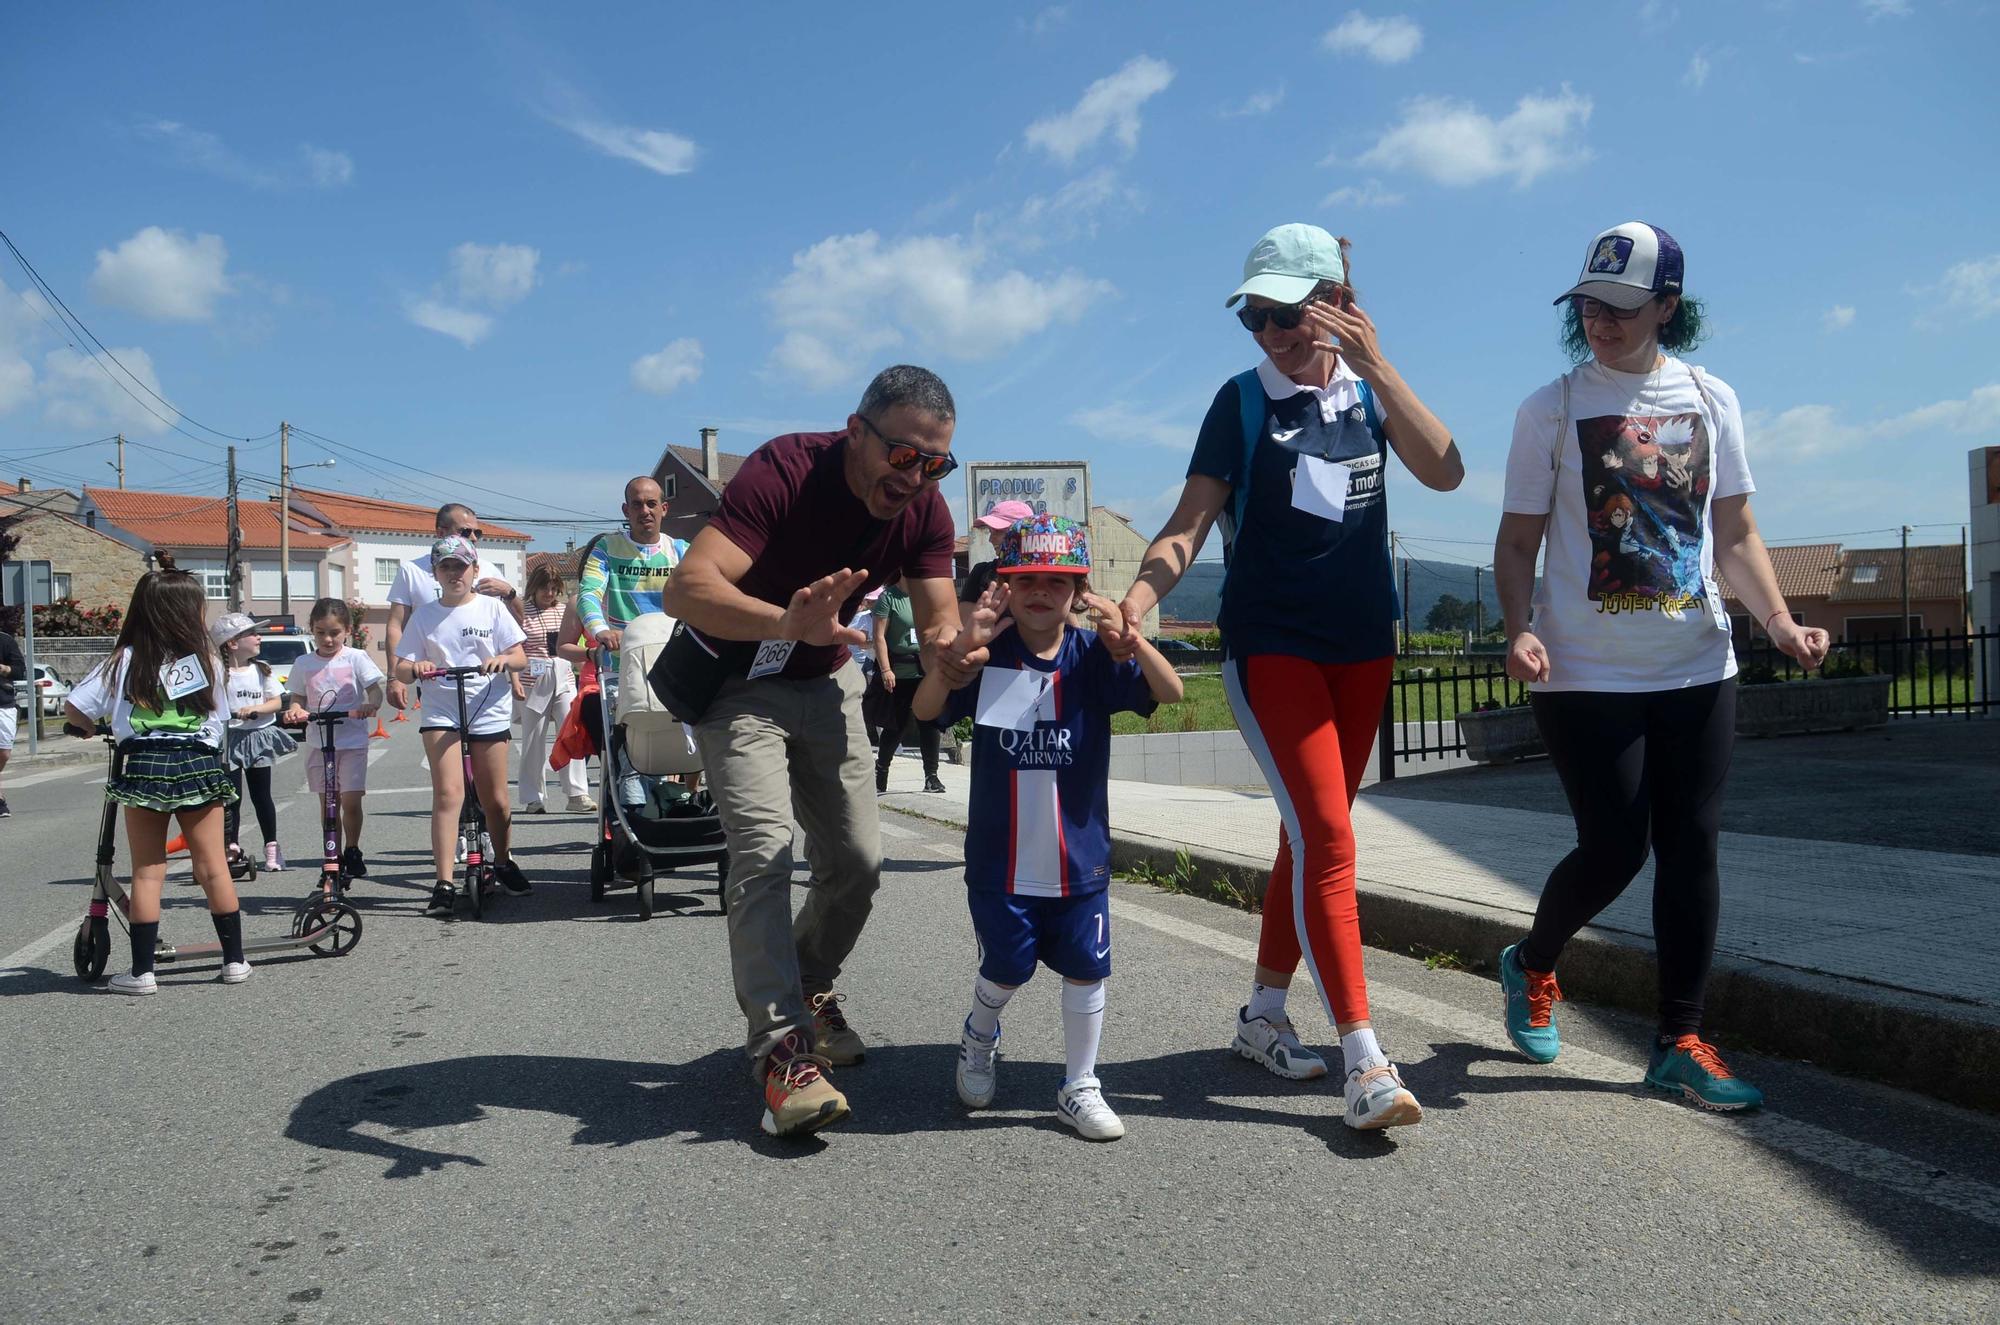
(101, 569)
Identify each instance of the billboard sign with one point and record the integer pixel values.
(1055, 487)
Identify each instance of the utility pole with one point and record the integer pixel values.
(121, 462)
(233, 554)
(1906, 632)
(285, 521)
(1478, 605)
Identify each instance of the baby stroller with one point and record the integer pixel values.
(676, 828)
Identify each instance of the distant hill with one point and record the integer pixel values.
(1198, 597)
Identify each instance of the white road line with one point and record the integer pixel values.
(49, 775)
(21, 957)
(1857, 1159)
(899, 832)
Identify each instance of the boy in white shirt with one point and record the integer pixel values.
(464, 629)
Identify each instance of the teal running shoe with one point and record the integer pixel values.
(1694, 1069)
(1530, 1007)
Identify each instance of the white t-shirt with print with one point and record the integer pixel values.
(250, 686)
(1628, 600)
(339, 684)
(415, 583)
(103, 692)
(464, 636)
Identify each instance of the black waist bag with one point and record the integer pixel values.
(691, 669)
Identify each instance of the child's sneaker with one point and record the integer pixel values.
(444, 900)
(798, 1098)
(1377, 1098)
(274, 857)
(235, 973)
(512, 880)
(833, 1039)
(1276, 1045)
(126, 983)
(978, 1067)
(1080, 1103)
(534, 807)
(351, 861)
(1692, 1068)
(1530, 999)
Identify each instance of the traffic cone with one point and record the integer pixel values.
(400, 716)
(380, 733)
(178, 844)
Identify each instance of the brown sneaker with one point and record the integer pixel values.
(798, 1098)
(833, 1039)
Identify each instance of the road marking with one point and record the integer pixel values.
(20, 957)
(49, 775)
(900, 833)
(1857, 1159)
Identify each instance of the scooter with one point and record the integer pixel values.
(326, 926)
(475, 844)
(332, 874)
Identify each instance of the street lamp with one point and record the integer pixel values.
(285, 531)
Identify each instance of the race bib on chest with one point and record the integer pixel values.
(772, 655)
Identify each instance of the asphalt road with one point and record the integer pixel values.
(546, 1116)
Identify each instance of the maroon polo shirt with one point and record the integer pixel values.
(789, 508)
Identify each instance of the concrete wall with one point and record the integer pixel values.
(1185, 759)
(1116, 552)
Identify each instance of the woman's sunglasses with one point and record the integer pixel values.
(908, 455)
(1285, 316)
(1588, 308)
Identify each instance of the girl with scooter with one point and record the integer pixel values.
(463, 629)
(337, 677)
(255, 742)
(165, 694)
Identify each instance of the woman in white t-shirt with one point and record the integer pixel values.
(1631, 465)
(464, 629)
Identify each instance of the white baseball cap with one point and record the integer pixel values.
(229, 625)
(1627, 265)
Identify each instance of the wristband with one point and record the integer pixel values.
(1767, 620)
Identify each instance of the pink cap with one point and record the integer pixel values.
(1006, 514)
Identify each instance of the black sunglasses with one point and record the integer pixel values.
(908, 455)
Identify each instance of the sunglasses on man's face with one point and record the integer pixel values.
(908, 455)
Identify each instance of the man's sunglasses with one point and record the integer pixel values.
(469, 531)
(908, 455)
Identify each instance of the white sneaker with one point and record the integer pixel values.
(1276, 1045)
(235, 973)
(582, 805)
(126, 983)
(1080, 1103)
(978, 1067)
(1377, 1098)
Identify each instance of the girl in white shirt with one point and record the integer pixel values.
(255, 741)
(164, 691)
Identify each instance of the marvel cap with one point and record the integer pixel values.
(229, 625)
(454, 547)
(1046, 545)
(1288, 263)
(1627, 265)
(1005, 514)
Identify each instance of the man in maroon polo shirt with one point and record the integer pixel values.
(808, 525)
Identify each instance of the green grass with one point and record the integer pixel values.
(1205, 709)
(1945, 690)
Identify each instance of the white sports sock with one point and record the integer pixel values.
(1266, 1001)
(1083, 1025)
(987, 1000)
(1357, 1047)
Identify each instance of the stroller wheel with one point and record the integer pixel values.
(646, 900)
(92, 950)
(600, 870)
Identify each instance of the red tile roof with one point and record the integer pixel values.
(379, 515)
(178, 520)
(1806, 571)
(1937, 571)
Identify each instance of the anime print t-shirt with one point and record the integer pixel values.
(1628, 599)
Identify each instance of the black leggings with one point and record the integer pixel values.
(260, 797)
(1639, 769)
(896, 716)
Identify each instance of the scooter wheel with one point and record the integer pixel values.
(600, 871)
(92, 950)
(646, 900)
(475, 892)
(342, 924)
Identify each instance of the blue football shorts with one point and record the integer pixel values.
(1069, 935)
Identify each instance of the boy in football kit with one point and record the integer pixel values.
(1038, 840)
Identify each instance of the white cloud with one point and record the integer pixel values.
(1807, 432)
(198, 149)
(1069, 213)
(1047, 20)
(1838, 318)
(163, 274)
(1389, 40)
(1696, 76)
(1110, 106)
(461, 324)
(1977, 415)
(1370, 194)
(77, 393)
(658, 150)
(1454, 143)
(1257, 103)
(849, 297)
(17, 381)
(1121, 421)
(495, 274)
(678, 364)
(1886, 9)
(1971, 288)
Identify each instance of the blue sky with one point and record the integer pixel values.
(523, 249)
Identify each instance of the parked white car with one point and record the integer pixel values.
(49, 685)
(280, 652)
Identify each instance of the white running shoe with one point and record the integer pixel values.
(274, 857)
(978, 1067)
(235, 973)
(1276, 1045)
(1377, 1098)
(126, 983)
(1080, 1103)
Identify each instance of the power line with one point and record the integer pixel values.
(458, 484)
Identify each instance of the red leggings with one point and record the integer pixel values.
(1310, 726)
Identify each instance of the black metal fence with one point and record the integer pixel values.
(1936, 674)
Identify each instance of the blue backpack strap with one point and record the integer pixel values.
(1250, 398)
(1368, 409)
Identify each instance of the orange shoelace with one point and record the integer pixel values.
(1543, 994)
(1705, 1056)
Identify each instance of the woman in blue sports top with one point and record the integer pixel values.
(1292, 457)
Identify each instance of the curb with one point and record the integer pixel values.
(1934, 1046)
(21, 763)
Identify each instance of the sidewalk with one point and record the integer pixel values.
(1874, 960)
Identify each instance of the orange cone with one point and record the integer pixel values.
(400, 716)
(380, 733)
(178, 844)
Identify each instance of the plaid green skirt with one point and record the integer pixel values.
(169, 775)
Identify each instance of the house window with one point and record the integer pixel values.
(1858, 628)
(336, 581)
(215, 585)
(385, 570)
(667, 487)
(61, 584)
(1866, 574)
(264, 581)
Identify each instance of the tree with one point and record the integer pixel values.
(1449, 612)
